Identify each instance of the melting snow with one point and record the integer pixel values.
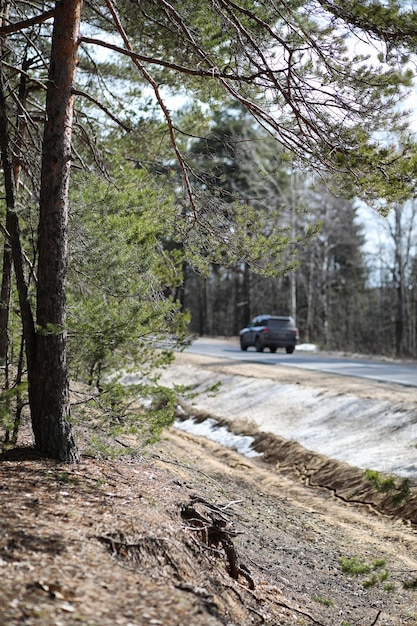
(364, 432)
(212, 430)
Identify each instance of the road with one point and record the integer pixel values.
(383, 371)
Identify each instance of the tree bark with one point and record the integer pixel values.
(12, 227)
(398, 283)
(49, 387)
(11, 173)
(6, 277)
(5, 291)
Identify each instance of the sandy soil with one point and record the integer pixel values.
(192, 533)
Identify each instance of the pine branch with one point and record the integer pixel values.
(213, 72)
(38, 19)
(162, 105)
(101, 106)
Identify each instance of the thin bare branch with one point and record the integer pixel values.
(162, 105)
(19, 70)
(89, 97)
(38, 19)
(213, 72)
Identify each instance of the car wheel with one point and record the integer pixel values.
(243, 346)
(273, 349)
(259, 346)
(289, 349)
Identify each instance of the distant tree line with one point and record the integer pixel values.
(341, 298)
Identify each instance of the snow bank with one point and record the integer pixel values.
(364, 432)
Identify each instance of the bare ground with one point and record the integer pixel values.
(104, 543)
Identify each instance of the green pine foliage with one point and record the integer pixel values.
(120, 316)
(326, 80)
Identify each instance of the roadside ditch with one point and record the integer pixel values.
(271, 419)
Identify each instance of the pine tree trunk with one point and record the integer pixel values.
(6, 277)
(11, 173)
(5, 291)
(49, 386)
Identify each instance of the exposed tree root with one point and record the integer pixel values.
(216, 529)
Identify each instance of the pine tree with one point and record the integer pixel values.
(290, 68)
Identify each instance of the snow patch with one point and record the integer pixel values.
(364, 432)
(210, 429)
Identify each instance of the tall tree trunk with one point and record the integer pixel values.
(202, 307)
(12, 227)
(246, 295)
(6, 276)
(5, 291)
(49, 387)
(310, 296)
(398, 283)
(12, 171)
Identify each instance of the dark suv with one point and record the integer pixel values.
(270, 331)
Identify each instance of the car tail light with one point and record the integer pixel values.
(297, 334)
(265, 331)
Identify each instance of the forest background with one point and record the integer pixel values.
(193, 219)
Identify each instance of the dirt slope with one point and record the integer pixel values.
(104, 543)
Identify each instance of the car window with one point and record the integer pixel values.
(257, 321)
(280, 324)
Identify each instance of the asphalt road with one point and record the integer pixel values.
(385, 371)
